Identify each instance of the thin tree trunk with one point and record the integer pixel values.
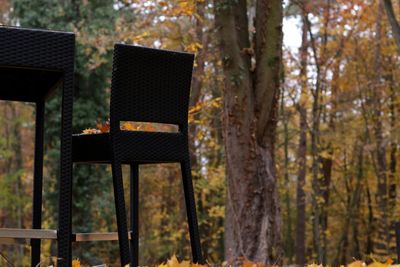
(393, 22)
(315, 133)
(392, 194)
(355, 218)
(198, 76)
(342, 245)
(382, 239)
(370, 224)
(288, 238)
(352, 213)
(301, 154)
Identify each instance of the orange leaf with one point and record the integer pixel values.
(247, 263)
(128, 126)
(104, 128)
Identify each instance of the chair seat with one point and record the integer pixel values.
(132, 146)
(91, 148)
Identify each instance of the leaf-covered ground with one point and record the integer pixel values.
(174, 262)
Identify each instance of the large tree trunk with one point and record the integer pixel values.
(253, 223)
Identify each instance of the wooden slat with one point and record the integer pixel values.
(84, 237)
(14, 233)
(22, 236)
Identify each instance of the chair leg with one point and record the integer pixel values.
(134, 199)
(191, 212)
(121, 214)
(37, 182)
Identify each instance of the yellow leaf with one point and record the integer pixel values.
(173, 262)
(377, 264)
(90, 131)
(356, 264)
(184, 264)
(76, 263)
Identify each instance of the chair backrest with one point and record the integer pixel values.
(150, 85)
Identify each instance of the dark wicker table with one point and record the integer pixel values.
(32, 64)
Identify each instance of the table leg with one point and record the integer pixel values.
(65, 185)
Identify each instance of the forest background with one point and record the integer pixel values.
(337, 136)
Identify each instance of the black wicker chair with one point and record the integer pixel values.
(148, 85)
(32, 64)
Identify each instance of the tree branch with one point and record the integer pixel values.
(268, 50)
(393, 22)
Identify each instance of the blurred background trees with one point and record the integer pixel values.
(336, 144)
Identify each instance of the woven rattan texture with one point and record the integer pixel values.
(36, 48)
(150, 147)
(143, 147)
(151, 84)
(49, 50)
(148, 85)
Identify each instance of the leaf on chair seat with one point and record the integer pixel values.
(76, 263)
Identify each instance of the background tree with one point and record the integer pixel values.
(393, 21)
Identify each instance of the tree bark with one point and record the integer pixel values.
(250, 114)
(288, 236)
(320, 166)
(198, 76)
(315, 129)
(382, 240)
(392, 176)
(393, 157)
(302, 153)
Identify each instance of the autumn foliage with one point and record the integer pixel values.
(337, 137)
